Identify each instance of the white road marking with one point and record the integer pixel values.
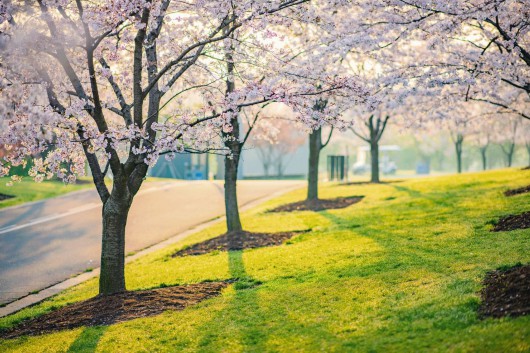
(79, 209)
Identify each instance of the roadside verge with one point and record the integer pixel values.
(48, 292)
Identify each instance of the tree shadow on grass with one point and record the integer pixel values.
(256, 318)
(243, 311)
(417, 254)
(411, 192)
(441, 197)
(88, 340)
(445, 306)
(424, 249)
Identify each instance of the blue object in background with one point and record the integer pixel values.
(423, 168)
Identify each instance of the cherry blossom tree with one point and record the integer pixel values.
(369, 125)
(507, 137)
(483, 140)
(301, 94)
(283, 140)
(483, 127)
(252, 62)
(375, 127)
(482, 46)
(450, 52)
(465, 121)
(103, 83)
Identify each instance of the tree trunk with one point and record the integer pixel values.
(233, 222)
(458, 160)
(458, 147)
(315, 143)
(509, 156)
(374, 151)
(528, 152)
(207, 167)
(280, 166)
(508, 153)
(483, 153)
(115, 212)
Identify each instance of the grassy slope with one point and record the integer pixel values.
(28, 190)
(398, 272)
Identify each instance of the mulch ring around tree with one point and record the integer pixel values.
(513, 222)
(517, 191)
(319, 204)
(5, 197)
(107, 310)
(237, 241)
(506, 293)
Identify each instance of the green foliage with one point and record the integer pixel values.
(398, 272)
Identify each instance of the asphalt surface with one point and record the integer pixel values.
(45, 242)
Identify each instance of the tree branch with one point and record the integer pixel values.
(323, 145)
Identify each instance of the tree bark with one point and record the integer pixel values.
(315, 144)
(458, 147)
(483, 153)
(233, 222)
(458, 160)
(374, 151)
(375, 132)
(508, 153)
(207, 167)
(528, 152)
(280, 166)
(115, 213)
(266, 166)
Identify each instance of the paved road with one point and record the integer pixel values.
(46, 242)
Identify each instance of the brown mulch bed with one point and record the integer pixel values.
(5, 197)
(506, 293)
(237, 241)
(319, 205)
(513, 222)
(106, 310)
(517, 191)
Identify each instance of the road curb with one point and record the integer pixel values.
(48, 292)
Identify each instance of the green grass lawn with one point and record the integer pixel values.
(27, 190)
(398, 272)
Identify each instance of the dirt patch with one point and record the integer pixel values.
(319, 204)
(513, 222)
(517, 191)
(237, 241)
(5, 197)
(106, 310)
(506, 293)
